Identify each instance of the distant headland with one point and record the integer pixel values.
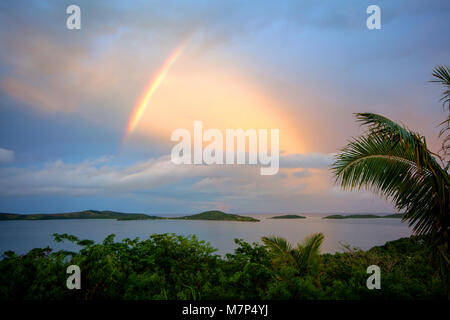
(121, 216)
(288, 216)
(86, 214)
(217, 215)
(363, 216)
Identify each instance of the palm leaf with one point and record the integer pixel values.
(395, 162)
(280, 249)
(442, 76)
(304, 258)
(308, 251)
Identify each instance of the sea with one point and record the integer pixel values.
(22, 236)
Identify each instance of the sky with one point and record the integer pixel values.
(67, 98)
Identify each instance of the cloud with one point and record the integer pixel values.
(304, 173)
(187, 188)
(104, 67)
(6, 155)
(100, 176)
(136, 33)
(34, 96)
(310, 160)
(96, 176)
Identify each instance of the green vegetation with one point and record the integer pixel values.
(363, 216)
(87, 214)
(168, 266)
(395, 162)
(289, 216)
(217, 215)
(304, 259)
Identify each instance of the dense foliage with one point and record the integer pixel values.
(168, 266)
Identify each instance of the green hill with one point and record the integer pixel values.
(289, 216)
(87, 214)
(217, 215)
(363, 216)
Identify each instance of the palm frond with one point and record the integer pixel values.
(442, 75)
(395, 162)
(309, 250)
(382, 126)
(304, 258)
(280, 248)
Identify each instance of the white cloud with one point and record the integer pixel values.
(6, 155)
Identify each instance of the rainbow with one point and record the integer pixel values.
(155, 81)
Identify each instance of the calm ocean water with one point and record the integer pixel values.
(21, 236)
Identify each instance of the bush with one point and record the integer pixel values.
(169, 266)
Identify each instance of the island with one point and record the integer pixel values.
(288, 216)
(121, 216)
(218, 216)
(86, 214)
(363, 216)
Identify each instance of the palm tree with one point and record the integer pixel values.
(304, 258)
(395, 162)
(442, 75)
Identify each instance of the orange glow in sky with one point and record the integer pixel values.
(222, 96)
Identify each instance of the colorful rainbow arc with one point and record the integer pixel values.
(156, 80)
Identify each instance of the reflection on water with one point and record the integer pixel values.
(21, 236)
